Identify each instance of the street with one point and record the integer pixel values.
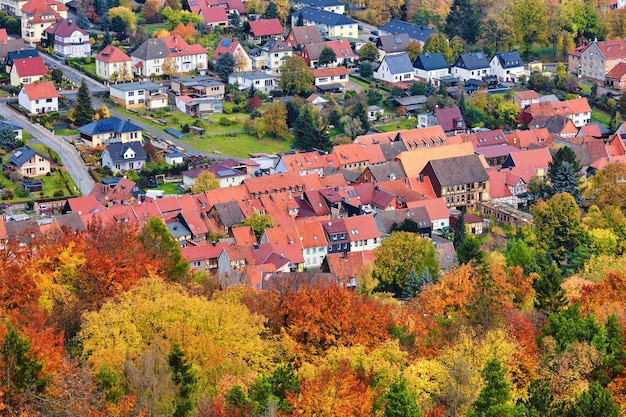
(68, 154)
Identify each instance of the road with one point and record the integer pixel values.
(96, 88)
(68, 154)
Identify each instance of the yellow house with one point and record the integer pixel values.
(113, 64)
(37, 15)
(27, 71)
(107, 131)
(29, 162)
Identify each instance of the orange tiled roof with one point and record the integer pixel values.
(40, 91)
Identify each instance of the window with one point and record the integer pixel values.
(131, 93)
(141, 92)
(48, 100)
(197, 264)
(36, 101)
(131, 102)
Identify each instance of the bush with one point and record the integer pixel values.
(58, 193)
(21, 192)
(224, 121)
(228, 110)
(236, 109)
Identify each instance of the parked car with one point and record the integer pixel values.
(375, 32)
(360, 27)
(372, 38)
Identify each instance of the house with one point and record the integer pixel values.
(139, 95)
(473, 222)
(616, 78)
(230, 8)
(363, 233)
(29, 162)
(431, 67)
(411, 104)
(120, 157)
(506, 187)
(314, 243)
(39, 98)
(37, 15)
(173, 156)
(270, 56)
(374, 112)
(113, 64)
(600, 57)
(343, 51)
(450, 119)
(387, 220)
(265, 29)
(261, 81)
(437, 211)
(416, 32)
(204, 86)
(391, 44)
(556, 125)
(526, 98)
(386, 171)
(226, 176)
(214, 17)
(331, 79)
(316, 101)
(28, 70)
(299, 36)
(461, 181)
(305, 163)
(525, 139)
(574, 57)
(471, 65)
(111, 130)
(67, 39)
(507, 66)
(337, 236)
(148, 59)
(196, 106)
(351, 156)
(395, 68)
(203, 256)
(18, 54)
(333, 6)
(578, 110)
(485, 138)
(329, 24)
(537, 159)
(233, 46)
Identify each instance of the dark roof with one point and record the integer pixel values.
(393, 43)
(229, 213)
(450, 119)
(392, 149)
(510, 59)
(22, 155)
(112, 124)
(11, 45)
(387, 218)
(417, 32)
(306, 34)
(318, 3)
(430, 62)
(387, 171)
(71, 221)
(154, 48)
(116, 152)
(322, 16)
(411, 100)
(399, 63)
(458, 170)
(21, 54)
(472, 61)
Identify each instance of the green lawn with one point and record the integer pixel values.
(399, 124)
(55, 182)
(169, 188)
(231, 140)
(66, 132)
(150, 29)
(365, 85)
(47, 152)
(600, 116)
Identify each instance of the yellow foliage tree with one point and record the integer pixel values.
(206, 181)
(102, 113)
(126, 14)
(160, 33)
(169, 67)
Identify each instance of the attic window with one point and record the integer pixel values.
(398, 40)
(355, 231)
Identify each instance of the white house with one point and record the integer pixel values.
(333, 6)
(148, 59)
(39, 97)
(67, 39)
(472, 65)
(261, 81)
(120, 157)
(507, 66)
(431, 67)
(330, 25)
(395, 68)
(363, 233)
(226, 176)
(142, 94)
(374, 112)
(271, 55)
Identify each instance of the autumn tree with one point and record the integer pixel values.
(607, 187)
(397, 255)
(169, 67)
(150, 11)
(187, 32)
(161, 246)
(204, 182)
(369, 52)
(258, 222)
(296, 76)
(413, 49)
(525, 11)
(126, 15)
(275, 118)
(102, 113)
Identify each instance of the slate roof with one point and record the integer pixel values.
(458, 170)
(392, 149)
(322, 16)
(417, 32)
(393, 43)
(112, 54)
(386, 219)
(160, 48)
(136, 86)
(112, 124)
(430, 62)
(387, 171)
(117, 150)
(450, 119)
(319, 3)
(10, 46)
(13, 56)
(229, 213)
(22, 155)
(399, 63)
(509, 59)
(472, 61)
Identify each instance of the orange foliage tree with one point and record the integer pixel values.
(187, 32)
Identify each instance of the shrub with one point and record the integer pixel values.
(58, 193)
(224, 121)
(21, 192)
(228, 110)
(236, 109)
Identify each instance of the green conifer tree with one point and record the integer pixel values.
(83, 109)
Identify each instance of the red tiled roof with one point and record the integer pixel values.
(312, 234)
(342, 49)
(214, 14)
(179, 47)
(29, 67)
(536, 158)
(435, 208)
(497, 184)
(361, 227)
(579, 50)
(30, 7)
(374, 154)
(243, 235)
(112, 54)
(282, 181)
(330, 72)
(202, 251)
(613, 48)
(350, 153)
(42, 90)
(527, 95)
(4, 37)
(226, 46)
(618, 71)
(64, 28)
(266, 27)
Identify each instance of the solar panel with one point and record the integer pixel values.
(18, 154)
(479, 55)
(226, 42)
(225, 172)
